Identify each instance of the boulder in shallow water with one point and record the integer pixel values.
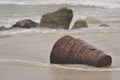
(58, 19)
(69, 50)
(26, 23)
(80, 24)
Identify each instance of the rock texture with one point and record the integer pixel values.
(26, 23)
(58, 19)
(68, 50)
(80, 24)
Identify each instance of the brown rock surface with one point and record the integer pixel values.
(68, 50)
(26, 23)
(58, 19)
(80, 24)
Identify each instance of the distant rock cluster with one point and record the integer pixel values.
(60, 19)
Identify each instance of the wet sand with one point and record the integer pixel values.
(26, 57)
(42, 73)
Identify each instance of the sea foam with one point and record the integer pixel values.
(98, 3)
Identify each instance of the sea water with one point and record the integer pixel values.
(32, 47)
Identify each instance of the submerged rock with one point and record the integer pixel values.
(58, 19)
(104, 25)
(26, 23)
(80, 24)
(3, 28)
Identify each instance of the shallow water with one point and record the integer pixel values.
(26, 56)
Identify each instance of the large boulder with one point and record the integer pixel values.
(58, 19)
(26, 23)
(80, 24)
(70, 50)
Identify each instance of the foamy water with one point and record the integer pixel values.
(113, 28)
(101, 3)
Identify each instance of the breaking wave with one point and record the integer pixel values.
(97, 3)
(95, 29)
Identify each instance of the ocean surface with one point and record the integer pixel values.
(28, 50)
(13, 10)
(94, 11)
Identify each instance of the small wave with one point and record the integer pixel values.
(26, 31)
(69, 2)
(96, 29)
(28, 62)
(88, 69)
(42, 64)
